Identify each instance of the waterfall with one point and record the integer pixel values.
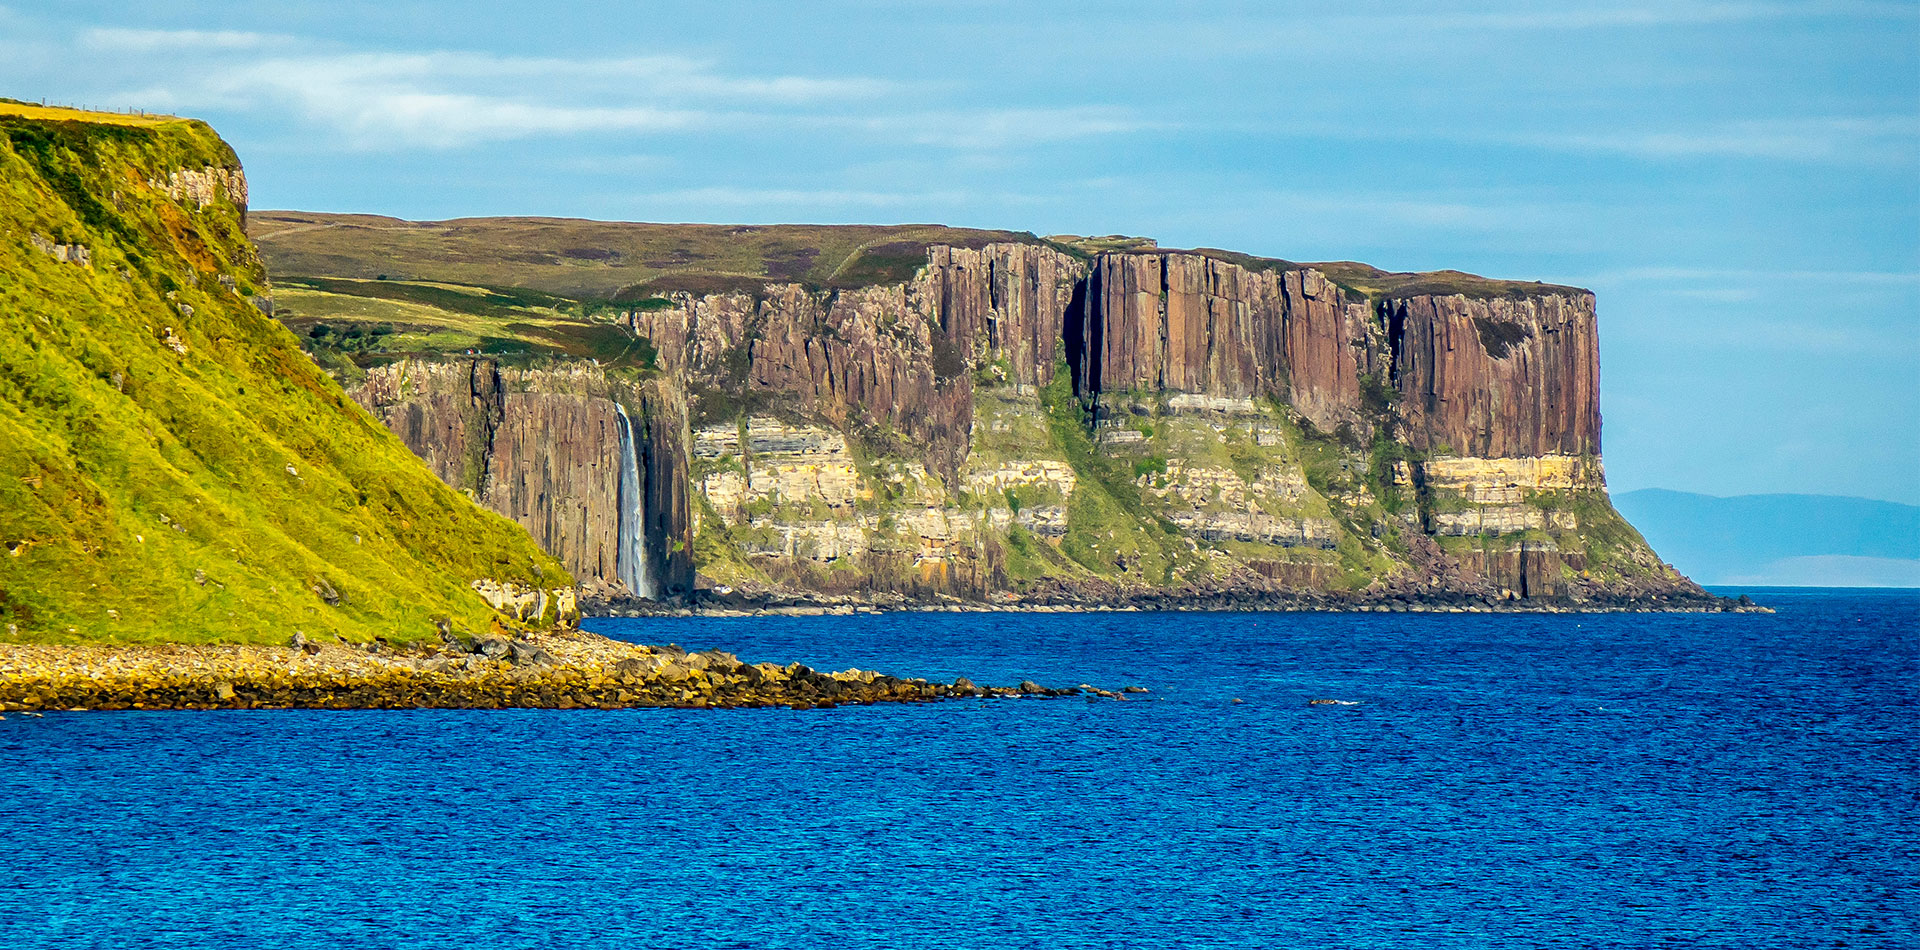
(630, 554)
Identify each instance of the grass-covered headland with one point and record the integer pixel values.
(172, 466)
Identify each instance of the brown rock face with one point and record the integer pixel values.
(778, 399)
(543, 447)
(1525, 569)
(1501, 377)
(669, 505)
(1498, 378)
(896, 358)
(1009, 301)
(1196, 324)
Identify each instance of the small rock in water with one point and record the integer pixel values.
(1134, 689)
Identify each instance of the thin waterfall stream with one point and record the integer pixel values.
(630, 555)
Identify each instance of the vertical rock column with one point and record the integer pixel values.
(663, 438)
(1196, 324)
(1502, 377)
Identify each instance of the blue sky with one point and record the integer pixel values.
(1739, 182)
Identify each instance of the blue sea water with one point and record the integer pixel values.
(1533, 781)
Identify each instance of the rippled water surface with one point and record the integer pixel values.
(1592, 781)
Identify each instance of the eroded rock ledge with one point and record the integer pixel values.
(568, 670)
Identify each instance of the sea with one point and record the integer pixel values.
(1512, 780)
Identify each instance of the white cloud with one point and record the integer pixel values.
(144, 41)
(1573, 17)
(1843, 139)
(1003, 128)
(757, 197)
(1693, 274)
(451, 99)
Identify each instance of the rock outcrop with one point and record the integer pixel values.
(897, 360)
(565, 670)
(1498, 377)
(543, 448)
(1195, 324)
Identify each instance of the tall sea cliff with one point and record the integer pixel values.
(921, 413)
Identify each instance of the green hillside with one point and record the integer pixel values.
(172, 466)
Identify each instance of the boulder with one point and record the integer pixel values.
(527, 654)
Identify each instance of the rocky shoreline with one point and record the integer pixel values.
(786, 602)
(569, 670)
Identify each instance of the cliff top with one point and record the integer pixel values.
(1373, 282)
(29, 110)
(624, 261)
(601, 260)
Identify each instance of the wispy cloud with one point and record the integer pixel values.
(1574, 17)
(1002, 128)
(790, 197)
(1697, 274)
(1843, 139)
(452, 99)
(145, 41)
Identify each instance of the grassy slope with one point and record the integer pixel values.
(351, 324)
(148, 494)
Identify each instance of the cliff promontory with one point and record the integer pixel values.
(172, 466)
(914, 413)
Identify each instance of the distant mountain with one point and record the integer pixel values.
(1784, 540)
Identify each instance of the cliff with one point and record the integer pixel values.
(1003, 417)
(547, 449)
(172, 466)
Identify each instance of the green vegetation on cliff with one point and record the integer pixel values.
(172, 466)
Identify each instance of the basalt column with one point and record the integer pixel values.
(661, 438)
(1492, 378)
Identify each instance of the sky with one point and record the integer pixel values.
(1738, 182)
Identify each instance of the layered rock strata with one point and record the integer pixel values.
(895, 358)
(1017, 420)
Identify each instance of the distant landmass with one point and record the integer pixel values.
(1780, 540)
